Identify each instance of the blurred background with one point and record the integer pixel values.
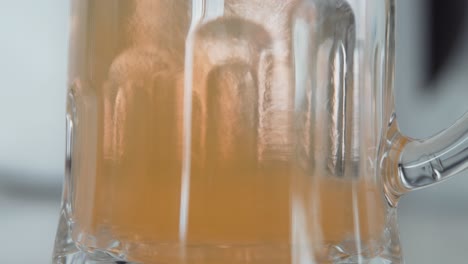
(431, 93)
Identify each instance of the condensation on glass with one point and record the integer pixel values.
(238, 131)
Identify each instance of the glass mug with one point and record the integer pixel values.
(238, 131)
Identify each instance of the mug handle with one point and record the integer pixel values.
(410, 164)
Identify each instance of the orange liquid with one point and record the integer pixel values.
(242, 206)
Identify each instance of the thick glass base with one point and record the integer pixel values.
(70, 251)
(81, 257)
